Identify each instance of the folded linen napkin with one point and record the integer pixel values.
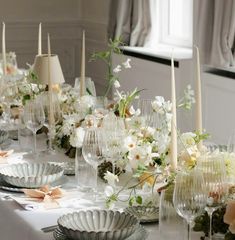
(46, 195)
(70, 199)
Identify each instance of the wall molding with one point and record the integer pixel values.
(22, 38)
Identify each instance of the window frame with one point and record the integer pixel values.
(163, 25)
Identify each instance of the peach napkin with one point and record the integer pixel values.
(46, 195)
(4, 155)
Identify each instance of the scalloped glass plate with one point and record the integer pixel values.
(139, 234)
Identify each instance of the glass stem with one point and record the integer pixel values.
(49, 139)
(189, 230)
(35, 142)
(96, 182)
(210, 227)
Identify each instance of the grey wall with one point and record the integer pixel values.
(64, 20)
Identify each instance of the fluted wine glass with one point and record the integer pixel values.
(92, 151)
(34, 118)
(113, 129)
(53, 115)
(213, 167)
(148, 116)
(189, 197)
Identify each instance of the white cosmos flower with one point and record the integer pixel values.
(117, 69)
(130, 142)
(116, 84)
(76, 139)
(140, 155)
(126, 64)
(111, 178)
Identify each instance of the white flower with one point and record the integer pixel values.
(167, 106)
(87, 101)
(132, 110)
(157, 104)
(111, 178)
(130, 142)
(67, 126)
(126, 64)
(187, 139)
(116, 84)
(163, 142)
(108, 191)
(147, 131)
(140, 155)
(76, 139)
(117, 69)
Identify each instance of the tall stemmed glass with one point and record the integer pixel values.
(189, 197)
(54, 106)
(113, 129)
(215, 182)
(34, 118)
(148, 116)
(92, 151)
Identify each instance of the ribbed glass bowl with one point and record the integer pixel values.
(98, 224)
(145, 214)
(31, 175)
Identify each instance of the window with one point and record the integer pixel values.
(172, 23)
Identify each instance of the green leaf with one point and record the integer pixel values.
(138, 199)
(131, 201)
(25, 99)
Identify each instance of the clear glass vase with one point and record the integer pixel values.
(84, 173)
(171, 225)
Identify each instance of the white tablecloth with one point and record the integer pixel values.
(16, 223)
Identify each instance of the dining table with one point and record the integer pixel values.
(24, 221)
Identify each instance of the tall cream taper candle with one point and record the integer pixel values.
(173, 146)
(40, 39)
(51, 115)
(83, 60)
(4, 60)
(198, 98)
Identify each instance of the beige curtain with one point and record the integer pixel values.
(131, 20)
(215, 31)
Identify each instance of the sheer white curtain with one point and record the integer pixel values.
(215, 31)
(131, 20)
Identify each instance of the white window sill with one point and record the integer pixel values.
(163, 51)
